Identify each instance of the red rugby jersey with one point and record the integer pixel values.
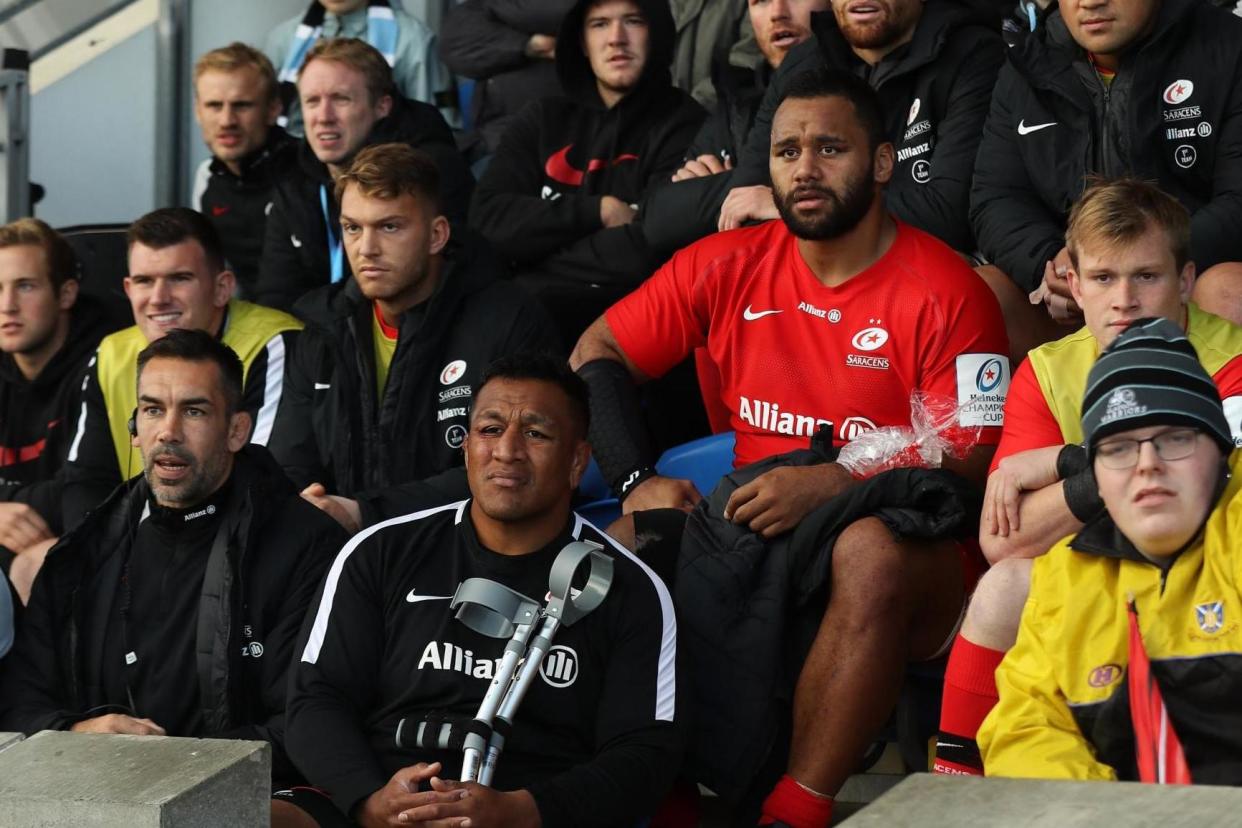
(794, 354)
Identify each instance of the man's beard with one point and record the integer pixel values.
(841, 215)
(878, 35)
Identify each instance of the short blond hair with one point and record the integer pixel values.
(389, 171)
(62, 262)
(235, 57)
(357, 54)
(1122, 210)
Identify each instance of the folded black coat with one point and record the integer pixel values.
(748, 608)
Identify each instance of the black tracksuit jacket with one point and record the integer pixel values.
(238, 205)
(330, 428)
(596, 741)
(1172, 115)
(538, 201)
(934, 92)
(37, 417)
(256, 589)
(295, 246)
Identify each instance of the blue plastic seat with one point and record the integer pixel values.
(703, 462)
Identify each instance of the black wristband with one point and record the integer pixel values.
(619, 438)
(632, 480)
(1071, 461)
(1082, 495)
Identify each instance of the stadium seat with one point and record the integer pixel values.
(703, 462)
(102, 256)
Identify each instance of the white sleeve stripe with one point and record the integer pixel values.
(666, 671)
(272, 390)
(310, 654)
(77, 438)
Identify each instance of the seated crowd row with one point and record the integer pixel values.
(175, 581)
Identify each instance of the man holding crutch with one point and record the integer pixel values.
(596, 740)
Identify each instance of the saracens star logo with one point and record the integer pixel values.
(1178, 91)
(452, 372)
(870, 338)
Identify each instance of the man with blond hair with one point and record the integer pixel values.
(1128, 244)
(48, 331)
(349, 102)
(384, 377)
(236, 104)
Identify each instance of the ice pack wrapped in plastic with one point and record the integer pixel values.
(935, 430)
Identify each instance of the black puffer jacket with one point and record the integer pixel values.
(331, 429)
(295, 245)
(256, 589)
(749, 608)
(1173, 115)
(37, 417)
(934, 92)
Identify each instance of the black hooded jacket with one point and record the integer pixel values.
(332, 430)
(238, 205)
(1172, 115)
(264, 567)
(934, 92)
(539, 200)
(37, 417)
(295, 247)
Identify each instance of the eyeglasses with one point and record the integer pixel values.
(1177, 444)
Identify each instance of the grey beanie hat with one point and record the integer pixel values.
(1151, 375)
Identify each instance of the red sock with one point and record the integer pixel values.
(796, 806)
(969, 695)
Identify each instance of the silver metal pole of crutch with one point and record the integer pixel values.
(496, 611)
(566, 606)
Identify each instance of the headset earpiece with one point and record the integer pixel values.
(132, 423)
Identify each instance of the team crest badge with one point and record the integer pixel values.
(1210, 616)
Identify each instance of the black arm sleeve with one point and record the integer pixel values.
(619, 441)
(448, 486)
(91, 472)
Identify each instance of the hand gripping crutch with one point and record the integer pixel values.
(491, 609)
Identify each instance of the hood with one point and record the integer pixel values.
(87, 325)
(574, 70)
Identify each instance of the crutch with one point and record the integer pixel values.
(494, 610)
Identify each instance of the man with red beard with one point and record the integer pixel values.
(933, 65)
(827, 319)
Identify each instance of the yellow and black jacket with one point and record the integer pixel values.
(101, 452)
(1064, 708)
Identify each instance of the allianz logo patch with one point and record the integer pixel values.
(769, 417)
(559, 668)
(449, 413)
(913, 152)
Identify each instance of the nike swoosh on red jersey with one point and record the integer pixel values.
(559, 169)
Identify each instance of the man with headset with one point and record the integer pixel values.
(173, 607)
